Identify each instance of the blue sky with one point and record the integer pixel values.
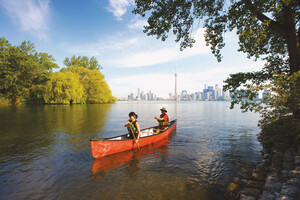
(107, 30)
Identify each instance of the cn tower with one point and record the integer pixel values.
(175, 85)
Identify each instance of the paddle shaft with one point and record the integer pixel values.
(134, 138)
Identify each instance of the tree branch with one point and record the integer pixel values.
(279, 28)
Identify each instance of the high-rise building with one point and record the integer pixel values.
(183, 94)
(150, 95)
(138, 94)
(131, 96)
(210, 88)
(217, 91)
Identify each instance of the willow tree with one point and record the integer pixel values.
(266, 29)
(63, 88)
(96, 88)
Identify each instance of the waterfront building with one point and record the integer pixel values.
(183, 94)
(216, 91)
(138, 97)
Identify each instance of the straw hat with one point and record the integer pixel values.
(163, 109)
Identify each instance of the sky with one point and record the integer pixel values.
(109, 31)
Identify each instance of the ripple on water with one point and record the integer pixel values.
(45, 152)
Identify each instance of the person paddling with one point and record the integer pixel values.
(163, 120)
(133, 127)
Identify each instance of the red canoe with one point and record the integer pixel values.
(121, 143)
(103, 165)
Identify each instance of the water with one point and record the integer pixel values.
(45, 152)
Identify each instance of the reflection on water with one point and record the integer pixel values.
(131, 158)
(45, 152)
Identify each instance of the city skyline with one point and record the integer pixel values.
(209, 92)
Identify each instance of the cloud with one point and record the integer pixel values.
(31, 15)
(137, 24)
(118, 7)
(194, 81)
(128, 50)
(150, 51)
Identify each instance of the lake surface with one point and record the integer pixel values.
(45, 152)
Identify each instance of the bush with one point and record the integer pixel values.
(281, 134)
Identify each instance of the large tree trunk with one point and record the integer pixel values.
(293, 48)
(286, 30)
(292, 39)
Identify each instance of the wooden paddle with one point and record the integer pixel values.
(134, 138)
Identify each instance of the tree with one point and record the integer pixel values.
(23, 71)
(64, 88)
(84, 61)
(267, 29)
(96, 88)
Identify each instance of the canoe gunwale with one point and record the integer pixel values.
(125, 135)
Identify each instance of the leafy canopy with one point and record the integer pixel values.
(63, 88)
(83, 61)
(23, 71)
(26, 75)
(77, 84)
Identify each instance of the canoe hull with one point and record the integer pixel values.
(100, 148)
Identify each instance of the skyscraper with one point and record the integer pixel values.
(138, 97)
(184, 93)
(217, 91)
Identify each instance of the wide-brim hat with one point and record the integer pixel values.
(133, 114)
(163, 109)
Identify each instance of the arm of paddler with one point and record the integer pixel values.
(160, 119)
(127, 123)
(139, 130)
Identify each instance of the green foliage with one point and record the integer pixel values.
(64, 88)
(26, 75)
(96, 89)
(77, 84)
(22, 70)
(281, 134)
(279, 109)
(84, 61)
(283, 98)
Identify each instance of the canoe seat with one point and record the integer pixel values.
(147, 132)
(116, 138)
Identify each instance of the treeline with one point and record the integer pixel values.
(28, 76)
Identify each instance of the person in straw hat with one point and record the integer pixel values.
(163, 120)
